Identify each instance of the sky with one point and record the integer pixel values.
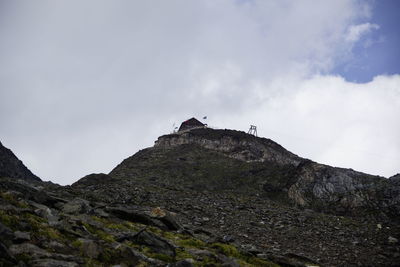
(85, 84)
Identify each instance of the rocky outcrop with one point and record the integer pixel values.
(341, 191)
(11, 166)
(235, 144)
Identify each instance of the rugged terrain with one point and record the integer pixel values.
(11, 166)
(204, 198)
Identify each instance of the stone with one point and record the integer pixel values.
(21, 236)
(90, 248)
(157, 244)
(392, 240)
(46, 213)
(76, 206)
(29, 249)
(135, 216)
(170, 222)
(227, 239)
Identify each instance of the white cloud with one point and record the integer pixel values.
(336, 122)
(85, 84)
(355, 32)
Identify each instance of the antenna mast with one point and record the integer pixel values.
(253, 130)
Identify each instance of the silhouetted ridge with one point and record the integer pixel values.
(11, 166)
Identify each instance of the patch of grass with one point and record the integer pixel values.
(99, 233)
(11, 199)
(227, 250)
(106, 256)
(77, 243)
(161, 257)
(51, 233)
(110, 224)
(8, 219)
(191, 243)
(182, 254)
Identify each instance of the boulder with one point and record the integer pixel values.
(154, 242)
(90, 248)
(21, 236)
(133, 215)
(76, 206)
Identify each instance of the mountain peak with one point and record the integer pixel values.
(223, 160)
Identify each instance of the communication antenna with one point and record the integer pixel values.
(253, 130)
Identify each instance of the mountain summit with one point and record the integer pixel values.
(228, 160)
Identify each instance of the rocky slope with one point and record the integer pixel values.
(221, 160)
(11, 166)
(204, 198)
(42, 224)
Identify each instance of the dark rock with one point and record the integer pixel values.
(6, 234)
(170, 222)
(90, 248)
(76, 206)
(227, 261)
(29, 249)
(392, 240)
(157, 244)
(11, 166)
(21, 237)
(227, 239)
(6, 256)
(46, 213)
(135, 216)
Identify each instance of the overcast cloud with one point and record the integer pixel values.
(85, 84)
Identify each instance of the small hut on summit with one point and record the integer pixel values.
(190, 124)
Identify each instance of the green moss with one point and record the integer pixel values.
(77, 243)
(254, 261)
(123, 226)
(227, 250)
(99, 233)
(161, 257)
(182, 254)
(8, 219)
(142, 264)
(106, 256)
(51, 233)
(7, 196)
(34, 219)
(191, 243)
(10, 198)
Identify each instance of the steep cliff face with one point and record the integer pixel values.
(11, 166)
(222, 160)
